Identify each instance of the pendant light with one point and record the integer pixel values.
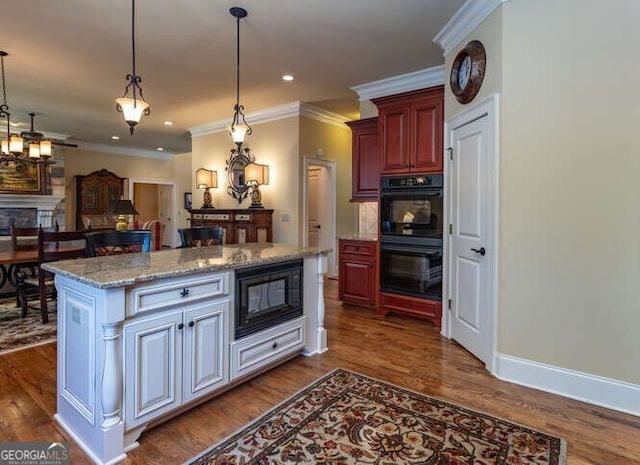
(133, 107)
(239, 127)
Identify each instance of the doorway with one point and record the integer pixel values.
(319, 204)
(154, 200)
(471, 244)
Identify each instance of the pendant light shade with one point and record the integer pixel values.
(134, 106)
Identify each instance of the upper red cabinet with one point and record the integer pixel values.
(410, 131)
(365, 173)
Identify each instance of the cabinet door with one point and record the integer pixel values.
(153, 368)
(427, 129)
(356, 281)
(365, 159)
(394, 129)
(206, 344)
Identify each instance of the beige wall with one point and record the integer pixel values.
(81, 162)
(281, 145)
(335, 142)
(274, 144)
(569, 224)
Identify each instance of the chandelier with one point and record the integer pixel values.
(32, 148)
(239, 127)
(133, 107)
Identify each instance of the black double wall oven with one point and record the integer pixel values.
(411, 216)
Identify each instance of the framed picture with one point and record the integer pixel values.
(188, 201)
(20, 178)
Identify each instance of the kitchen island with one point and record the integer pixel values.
(142, 337)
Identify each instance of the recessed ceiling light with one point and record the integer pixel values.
(115, 137)
(287, 77)
(160, 149)
(168, 123)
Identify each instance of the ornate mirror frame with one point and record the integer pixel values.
(239, 158)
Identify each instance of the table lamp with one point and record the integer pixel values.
(122, 208)
(206, 179)
(256, 175)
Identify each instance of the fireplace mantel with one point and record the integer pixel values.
(45, 204)
(41, 202)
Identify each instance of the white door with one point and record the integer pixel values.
(314, 222)
(471, 242)
(165, 206)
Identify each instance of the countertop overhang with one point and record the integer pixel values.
(129, 269)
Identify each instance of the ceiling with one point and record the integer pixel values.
(68, 59)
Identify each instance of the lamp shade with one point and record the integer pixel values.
(206, 178)
(122, 207)
(256, 173)
(238, 131)
(132, 109)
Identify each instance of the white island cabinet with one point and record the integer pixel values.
(142, 337)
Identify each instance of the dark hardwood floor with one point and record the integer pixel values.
(399, 350)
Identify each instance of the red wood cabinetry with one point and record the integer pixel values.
(427, 309)
(410, 131)
(365, 173)
(240, 226)
(357, 283)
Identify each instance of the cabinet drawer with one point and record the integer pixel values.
(258, 350)
(358, 248)
(216, 216)
(411, 305)
(171, 292)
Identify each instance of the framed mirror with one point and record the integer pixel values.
(237, 188)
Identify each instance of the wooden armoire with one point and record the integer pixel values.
(95, 192)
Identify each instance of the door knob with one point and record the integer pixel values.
(481, 251)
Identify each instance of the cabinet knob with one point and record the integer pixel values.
(184, 292)
(181, 325)
(274, 345)
(192, 324)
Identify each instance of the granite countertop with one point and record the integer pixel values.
(128, 269)
(360, 237)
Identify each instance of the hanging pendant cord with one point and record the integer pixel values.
(4, 87)
(238, 63)
(4, 108)
(133, 47)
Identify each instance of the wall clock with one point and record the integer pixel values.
(467, 71)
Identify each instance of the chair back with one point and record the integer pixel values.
(102, 243)
(201, 237)
(26, 238)
(61, 245)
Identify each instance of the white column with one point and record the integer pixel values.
(111, 376)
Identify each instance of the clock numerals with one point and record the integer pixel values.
(464, 72)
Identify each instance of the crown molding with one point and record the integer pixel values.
(420, 79)
(128, 151)
(464, 21)
(288, 110)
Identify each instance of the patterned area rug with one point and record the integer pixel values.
(347, 418)
(18, 333)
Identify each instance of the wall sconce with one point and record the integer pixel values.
(122, 208)
(206, 179)
(256, 175)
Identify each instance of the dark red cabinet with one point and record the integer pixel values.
(357, 283)
(365, 165)
(410, 131)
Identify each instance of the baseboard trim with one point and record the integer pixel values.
(605, 392)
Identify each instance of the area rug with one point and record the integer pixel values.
(347, 418)
(18, 333)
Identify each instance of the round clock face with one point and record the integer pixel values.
(467, 71)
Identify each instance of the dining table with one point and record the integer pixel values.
(12, 261)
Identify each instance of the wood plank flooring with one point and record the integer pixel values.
(399, 350)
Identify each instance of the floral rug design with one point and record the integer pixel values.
(20, 333)
(347, 418)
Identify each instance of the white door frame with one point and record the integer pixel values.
(488, 108)
(173, 234)
(332, 266)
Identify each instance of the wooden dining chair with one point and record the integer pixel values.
(102, 243)
(201, 237)
(24, 238)
(52, 246)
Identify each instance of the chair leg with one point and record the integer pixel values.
(43, 297)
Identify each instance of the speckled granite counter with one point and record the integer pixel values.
(360, 237)
(128, 269)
